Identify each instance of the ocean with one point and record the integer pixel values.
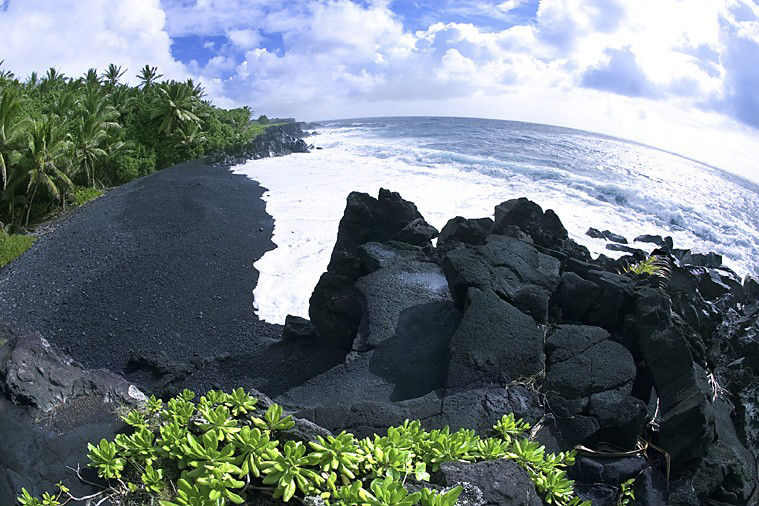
(466, 166)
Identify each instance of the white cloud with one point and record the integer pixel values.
(75, 35)
(244, 39)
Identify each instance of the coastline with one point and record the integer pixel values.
(162, 265)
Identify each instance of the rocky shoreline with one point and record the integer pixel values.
(650, 376)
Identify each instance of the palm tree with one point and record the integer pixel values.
(113, 74)
(44, 161)
(190, 135)
(65, 103)
(52, 79)
(148, 76)
(10, 103)
(121, 99)
(5, 74)
(91, 78)
(91, 138)
(32, 82)
(175, 105)
(88, 147)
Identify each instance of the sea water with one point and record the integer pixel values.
(465, 167)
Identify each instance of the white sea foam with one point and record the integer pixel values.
(307, 193)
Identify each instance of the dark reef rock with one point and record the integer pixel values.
(606, 235)
(277, 140)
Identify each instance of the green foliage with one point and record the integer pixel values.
(213, 452)
(81, 195)
(654, 265)
(59, 134)
(626, 493)
(12, 246)
(105, 458)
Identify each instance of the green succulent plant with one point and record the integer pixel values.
(433, 498)
(217, 420)
(291, 470)
(240, 402)
(273, 420)
(106, 460)
(253, 448)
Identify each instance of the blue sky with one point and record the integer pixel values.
(678, 74)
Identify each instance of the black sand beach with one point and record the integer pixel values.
(154, 280)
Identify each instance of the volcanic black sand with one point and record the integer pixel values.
(156, 278)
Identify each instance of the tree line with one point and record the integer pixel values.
(61, 135)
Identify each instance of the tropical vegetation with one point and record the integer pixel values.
(60, 134)
(225, 447)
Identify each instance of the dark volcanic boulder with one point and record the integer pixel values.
(37, 373)
(576, 296)
(390, 291)
(652, 239)
(468, 231)
(501, 481)
(297, 328)
(687, 423)
(751, 289)
(418, 233)
(495, 343)
(513, 269)
(711, 259)
(57, 407)
(367, 219)
(590, 376)
(639, 254)
(544, 228)
(335, 308)
(606, 234)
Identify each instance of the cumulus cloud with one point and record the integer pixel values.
(620, 74)
(75, 35)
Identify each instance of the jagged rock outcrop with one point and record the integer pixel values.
(617, 358)
(279, 140)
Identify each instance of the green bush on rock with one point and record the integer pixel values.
(214, 452)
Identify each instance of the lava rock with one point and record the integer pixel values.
(653, 239)
(576, 296)
(367, 219)
(468, 231)
(639, 254)
(590, 375)
(418, 233)
(335, 309)
(545, 229)
(711, 260)
(297, 328)
(606, 234)
(495, 343)
(36, 373)
(501, 481)
(687, 423)
(751, 289)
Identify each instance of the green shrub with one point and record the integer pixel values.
(12, 246)
(81, 195)
(210, 453)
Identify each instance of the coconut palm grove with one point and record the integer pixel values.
(63, 139)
